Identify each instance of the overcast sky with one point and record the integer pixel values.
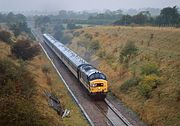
(52, 5)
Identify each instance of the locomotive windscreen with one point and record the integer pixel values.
(97, 76)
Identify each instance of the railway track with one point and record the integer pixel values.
(113, 108)
(98, 113)
(114, 117)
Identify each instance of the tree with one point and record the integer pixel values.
(20, 27)
(24, 50)
(58, 31)
(42, 20)
(66, 38)
(58, 27)
(141, 18)
(58, 35)
(11, 18)
(125, 20)
(72, 26)
(2, 17)
(169, 16)
(5, 36)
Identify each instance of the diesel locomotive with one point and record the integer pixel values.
(92, 79)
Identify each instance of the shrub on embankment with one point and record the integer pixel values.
(25, 49)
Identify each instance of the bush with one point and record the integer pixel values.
(127, 51)
(46, 69)
(17, 88)
(96, 34)
(152, 80)
(149, 68)
(5, 36)
(15, 79)
(102, 54)
(18, 111)
(94, 45)
(129, 83)
(148, 83)
(66, 38)
(23, 49)
(8, 72)
(89, 36)
(145, 90)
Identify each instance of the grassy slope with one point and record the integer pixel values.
(163, 106)
(56, 86)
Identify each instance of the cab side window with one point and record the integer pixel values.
(91, 77)
(84, 76)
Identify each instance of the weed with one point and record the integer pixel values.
(145, 90)
(89, 36)
(129, 83)
(127, 51)
(45, 68)
(94, 45)
(147, 84)
(102, 54)
(96, 34)
(149, 68)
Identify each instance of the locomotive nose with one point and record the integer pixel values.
(98, 86)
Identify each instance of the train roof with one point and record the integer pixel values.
(89, 69)
(77, 60)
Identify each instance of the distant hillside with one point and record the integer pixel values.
(142, 65)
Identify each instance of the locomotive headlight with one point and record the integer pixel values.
(93, 85)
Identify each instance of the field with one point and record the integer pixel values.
(44, 81)
(147, 79)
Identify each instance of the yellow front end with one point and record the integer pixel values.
(98, 86)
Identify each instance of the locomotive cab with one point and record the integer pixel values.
(98, 83)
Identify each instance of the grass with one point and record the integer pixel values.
(4, 50)
(162, 48)
(48, 115)
(76, 118)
